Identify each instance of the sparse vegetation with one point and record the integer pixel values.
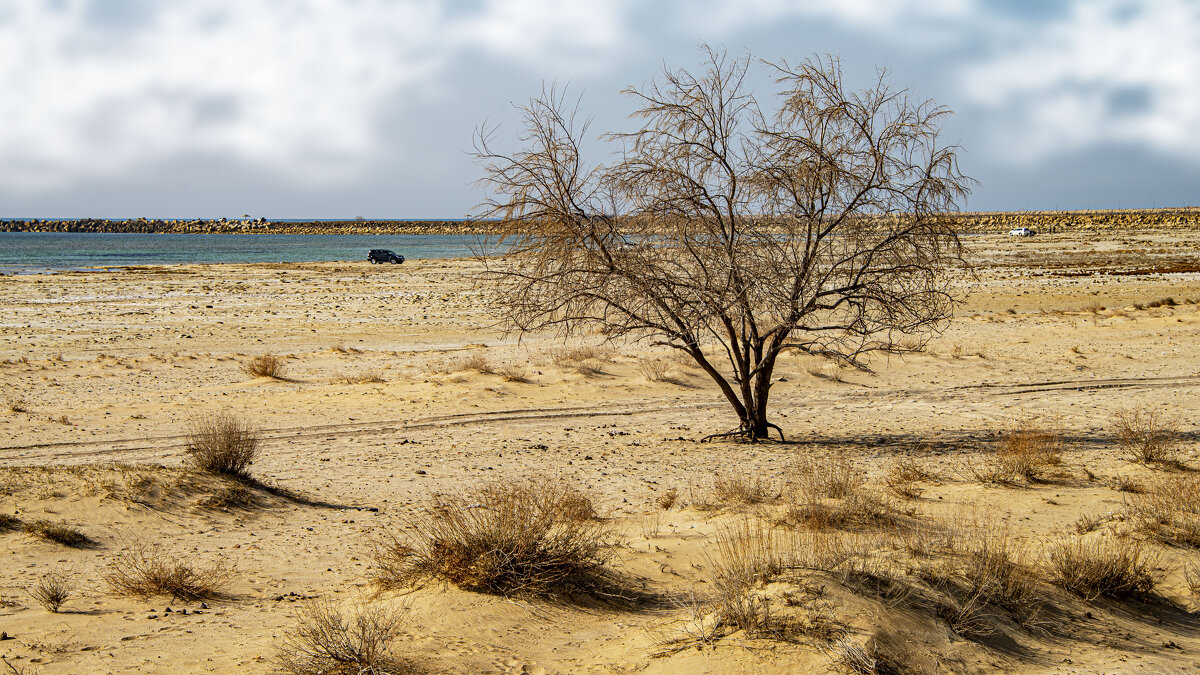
(15, 405)
(53, 590)
(905, 477)
(1026, 454)
(667, 499)
(730, 488)
(1169, 509)
(364, 377)
(222, 444)
(266, 365)
(325, 641)
(477, 361)
(514, 372)
(656, 370)
(1146, 435)
(229, 497)
(145, 571)
(834, 478)
(1093, 567)
(57, 532)
(534, 537)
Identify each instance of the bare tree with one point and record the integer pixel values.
(730, 233)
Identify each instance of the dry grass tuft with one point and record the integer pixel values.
(1092, 568)
(228, 498)
(735, 489)
(905, 476)
(1126, 484)
(515, 372)
(1026, 454)
(59, 533)
(536, 537)
(855, 512)
(145, 571)
(854, 657)
(365, 377)
(53, 590)
(324, 641)
(746, 558)
(476, 361)
(15, 405)
(266, 365)
(816, 479)
(667, 499)
(222, 444)
(656, 370)
(8, 522)
(585, 360)
(1147, 435)
(1169, 509)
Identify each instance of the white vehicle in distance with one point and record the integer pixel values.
(1021, 232)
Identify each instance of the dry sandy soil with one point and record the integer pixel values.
(103, 372)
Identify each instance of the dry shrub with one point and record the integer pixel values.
(1093, 567)
(731, 488)
(476, 361)
(1147, 435)
(533, 537)
(857, 511)
(1126, 484)
(266, 365)
(747, 557)
(53, 590)
(1025, 454)
(834, 478)
(1169, 509)
(324, 641)
(993, 566)
(585, 360)
(15, 405)
(656, 370)
(365, 377)
(7, 521)
(144, 571)
(229, 497)
(1029, 452)
(1164, 302)
(515, 372)
(1191, 576)
(854, 657)
(222, 444)
(905, 476)
(667, 499)
(57, 532)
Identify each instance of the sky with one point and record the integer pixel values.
(367, 108)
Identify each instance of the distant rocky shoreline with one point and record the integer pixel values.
(1187, 218)
(255, 226)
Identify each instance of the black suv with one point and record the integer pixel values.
(382, 255)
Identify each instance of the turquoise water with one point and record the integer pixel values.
(26, 252)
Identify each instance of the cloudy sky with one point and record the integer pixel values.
(344, 108)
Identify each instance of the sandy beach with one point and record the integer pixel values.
(399, 385)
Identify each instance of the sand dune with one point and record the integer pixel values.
(398, 386)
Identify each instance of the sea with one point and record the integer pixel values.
(42, 252)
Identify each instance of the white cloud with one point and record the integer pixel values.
(1108, 71)
(290, 86)
(909, 21)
